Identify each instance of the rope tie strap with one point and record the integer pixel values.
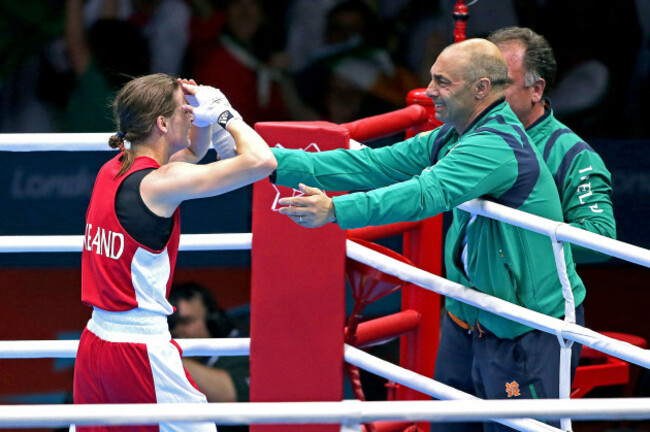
(564, 342)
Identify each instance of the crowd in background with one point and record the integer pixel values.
(333, 60)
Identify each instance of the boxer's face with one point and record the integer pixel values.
(179, 123)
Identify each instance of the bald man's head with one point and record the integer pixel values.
(467, 78)
(480, 58)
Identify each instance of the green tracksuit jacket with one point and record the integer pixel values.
(583, 181)
(436, 171)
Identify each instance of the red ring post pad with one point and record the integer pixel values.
(297, 290)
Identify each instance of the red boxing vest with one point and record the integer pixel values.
(118, 273)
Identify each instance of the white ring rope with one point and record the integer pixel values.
(29, 142)
(324, 412)
(563, 231)
(542, 322)
(585, 336)
(570, 318)
(68, 348)
(21, 349)
(74, 243)
(429, 386)
(241, 346)
(346, 412)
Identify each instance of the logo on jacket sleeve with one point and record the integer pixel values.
(512, 388)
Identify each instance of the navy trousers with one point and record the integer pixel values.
(489, 367)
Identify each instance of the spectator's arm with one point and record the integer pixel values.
(75, 37)
(216, 384)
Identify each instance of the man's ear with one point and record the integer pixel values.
(538, 90)
(483, 87)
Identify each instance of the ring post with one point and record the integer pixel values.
(423, 246)
(297, 290)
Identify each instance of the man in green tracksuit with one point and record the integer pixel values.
(583, 181)
(481, 151)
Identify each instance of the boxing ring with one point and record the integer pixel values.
(414, 324)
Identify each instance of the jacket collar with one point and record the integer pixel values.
(483, 113)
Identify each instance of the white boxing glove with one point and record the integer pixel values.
(211, 106)
(223, 143)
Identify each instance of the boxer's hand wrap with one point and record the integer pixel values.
(223, 143)
(211, 106)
